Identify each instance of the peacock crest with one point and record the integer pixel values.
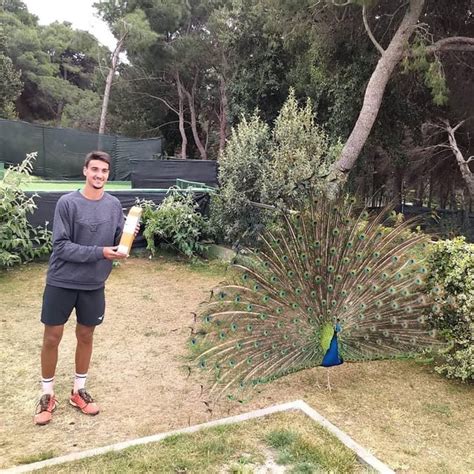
(327, 284)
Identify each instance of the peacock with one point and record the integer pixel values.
(329, 282)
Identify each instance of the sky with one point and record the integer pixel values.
(79, 13)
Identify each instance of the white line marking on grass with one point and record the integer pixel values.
(362, 454)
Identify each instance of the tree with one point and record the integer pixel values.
(58, 65)
(184, 70)
(390, 58)
(257, 58)
(10, 87)
(462, 162)
(132, 31)
(443, 135)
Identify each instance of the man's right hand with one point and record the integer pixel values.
(110, 253)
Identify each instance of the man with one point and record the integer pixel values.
(86, 230)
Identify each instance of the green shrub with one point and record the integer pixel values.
(300, 154)
(19, 241)
(241, 166)
(176, 222)
(270, 168)
(451, 267)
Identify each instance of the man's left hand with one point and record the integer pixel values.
(137, 229)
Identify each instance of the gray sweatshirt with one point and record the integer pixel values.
(81, 228)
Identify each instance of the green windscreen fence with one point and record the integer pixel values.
(61, 151)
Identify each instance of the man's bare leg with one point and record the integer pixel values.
(85, 339)
(49, 358)
(79, 397)
(49, 352)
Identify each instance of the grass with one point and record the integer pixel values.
(70, 185)
(402, 411)
(41, 456)
(200, 266)
(37, 183)
(306, 453)
(231, 448)
(438, 408)
(214, 268)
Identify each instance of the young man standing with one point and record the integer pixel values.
(86, 230)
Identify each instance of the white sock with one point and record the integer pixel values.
(47, 385)
(79, 382)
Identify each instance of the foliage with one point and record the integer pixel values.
(10, 87)
(83, 113)
(259, 166)
(430, 68)
(452, 272)
(19, 241)
(299, 153)
(177, 54)
(233, 56)
(258, 57)
(177, 222)
(241, 167)
(59, 66)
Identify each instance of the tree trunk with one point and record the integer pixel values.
(465, 211)
(420, 193)
(192, 109)
(463, 164)
(430, 194)
(223, 114)
(373, 96)
(59, 113)
(182, 131)
(108, 84)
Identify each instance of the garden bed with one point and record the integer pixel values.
(406, 415)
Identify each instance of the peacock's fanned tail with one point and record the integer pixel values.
(321, 264)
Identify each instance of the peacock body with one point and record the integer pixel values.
(328, 284)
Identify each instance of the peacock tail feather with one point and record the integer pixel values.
(323, 263)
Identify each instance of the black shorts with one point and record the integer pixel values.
(58, 304)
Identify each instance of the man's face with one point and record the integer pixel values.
(96, 173)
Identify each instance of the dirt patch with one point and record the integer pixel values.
(409, 417)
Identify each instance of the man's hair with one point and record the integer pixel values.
(98, 155)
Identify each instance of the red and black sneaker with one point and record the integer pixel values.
(44, 409)
(84, 402)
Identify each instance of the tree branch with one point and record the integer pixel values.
(466, 173)
(457, 126)
(369, 31)
(373, 96)
(161, 100)
(108, 82)
(343, 4)
(159, 126)
(453, 43)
